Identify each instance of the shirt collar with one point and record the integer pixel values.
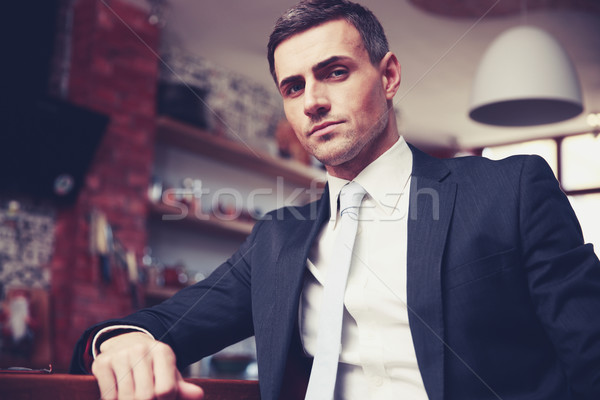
(384, 179)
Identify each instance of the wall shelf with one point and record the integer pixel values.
(233, 228)
(175, 134)
(190, 138)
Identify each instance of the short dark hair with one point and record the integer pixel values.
(310, 13)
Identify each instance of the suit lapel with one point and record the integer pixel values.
(430, 212)
(289, 274)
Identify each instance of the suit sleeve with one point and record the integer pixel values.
(563, 276)
(198, 320)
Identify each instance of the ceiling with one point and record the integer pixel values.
(438, 43)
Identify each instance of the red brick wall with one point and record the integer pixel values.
(114, 71)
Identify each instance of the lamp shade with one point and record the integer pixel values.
(525, 78)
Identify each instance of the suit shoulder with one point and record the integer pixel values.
(481, 166)
(496, 177)
(472, 167)
(483, 162)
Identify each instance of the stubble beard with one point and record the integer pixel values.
(335, 150)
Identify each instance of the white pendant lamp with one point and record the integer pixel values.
(525, 78)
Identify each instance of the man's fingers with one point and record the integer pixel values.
(106, 379)
(189, 391)
(165, 372)
(124, 377)
(134, 366)
(143, 374)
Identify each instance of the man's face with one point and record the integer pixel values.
(334, 98)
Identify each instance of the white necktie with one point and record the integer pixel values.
(324, 370)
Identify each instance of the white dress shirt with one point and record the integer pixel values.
(378, 359)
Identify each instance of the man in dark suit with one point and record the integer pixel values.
(469, 277)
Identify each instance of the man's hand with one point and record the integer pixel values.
(135, 366)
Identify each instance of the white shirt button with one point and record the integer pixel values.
(377, 381)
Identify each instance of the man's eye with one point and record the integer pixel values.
(293, 89)
(338, 73)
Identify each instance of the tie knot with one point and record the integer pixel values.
(351, 196)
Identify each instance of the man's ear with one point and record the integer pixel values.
(390, 74)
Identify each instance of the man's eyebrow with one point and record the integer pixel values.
(288, 80)
(328, 61)
(317, 67)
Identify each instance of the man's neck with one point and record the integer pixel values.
(350, 169)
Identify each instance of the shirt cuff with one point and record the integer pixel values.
(98, 339)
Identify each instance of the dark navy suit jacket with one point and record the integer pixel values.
(503, 295)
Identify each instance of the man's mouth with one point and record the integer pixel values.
(324, 128)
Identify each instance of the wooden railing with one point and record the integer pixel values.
(24, 386)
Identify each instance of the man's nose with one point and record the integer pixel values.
(316, 99)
